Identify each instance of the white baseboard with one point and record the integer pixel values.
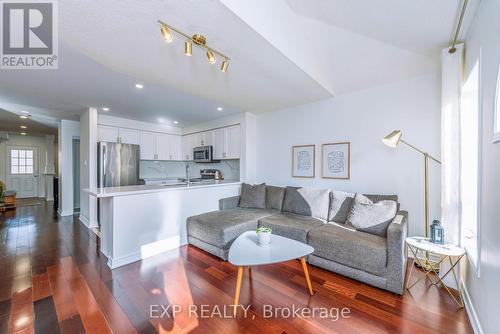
(471, 311)
(148, 250)
(65, 213)
(84, 220)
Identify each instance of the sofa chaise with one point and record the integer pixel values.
(374, 255)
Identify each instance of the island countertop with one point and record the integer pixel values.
(144, 189)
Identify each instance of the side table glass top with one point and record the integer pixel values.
(447, 249)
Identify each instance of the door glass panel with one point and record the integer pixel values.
(21, 161)
(14, 153)
(22, 169)
(29, 169)
(22, 153)
(14, 170)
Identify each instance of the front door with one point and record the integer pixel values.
(22, 170)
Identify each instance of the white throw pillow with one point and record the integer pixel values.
(340, 206)
(372, 217)
(318, 201)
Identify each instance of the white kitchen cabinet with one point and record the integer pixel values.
(107, 133)
(188, 143)
(147, 143)
(175, 144)
(219, 143)
(162, 147)
(199, 139)
(128, 136)
(209, 138)
(232, 142)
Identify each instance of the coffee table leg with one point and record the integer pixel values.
(306, 273)
(238, 287)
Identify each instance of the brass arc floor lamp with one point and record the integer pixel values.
(392, 140)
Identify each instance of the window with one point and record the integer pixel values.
(496, 120)
(469, 164)
(21, 161)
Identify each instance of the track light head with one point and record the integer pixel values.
(224, 65)
(167, 34)
(211, 57)
(188, 48)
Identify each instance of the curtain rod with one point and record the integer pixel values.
(452, 48)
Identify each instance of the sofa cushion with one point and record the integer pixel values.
(340, 206)
(356, 249)
(274, 197)
(371, 217)
(253, 196)
(318, 201)
(290, 225)
(295, 203)
(220, 228)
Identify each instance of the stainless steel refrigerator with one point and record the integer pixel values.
(118, 164)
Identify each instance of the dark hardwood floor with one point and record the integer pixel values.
(53, 280)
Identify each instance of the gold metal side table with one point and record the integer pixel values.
(420, 246)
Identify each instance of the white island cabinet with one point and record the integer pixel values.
(142, 221)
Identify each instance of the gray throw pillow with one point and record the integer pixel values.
(274, 197)
(340, 206)
(370, 217)
(253, 196)
(295, 203)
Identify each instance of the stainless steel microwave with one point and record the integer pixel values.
(203, 154)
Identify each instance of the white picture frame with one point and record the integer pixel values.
(336, 161)
(303, 161)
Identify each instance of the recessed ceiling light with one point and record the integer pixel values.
(23, 127)
(23, 133)
(219, 108)
(139, 86)
(105, 109)
(24, 116)
(176, 122)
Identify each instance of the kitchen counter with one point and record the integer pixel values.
(142, 221)
(144, 189)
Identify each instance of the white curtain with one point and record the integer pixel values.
(451, 84)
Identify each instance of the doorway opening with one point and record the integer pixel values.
(76, 174)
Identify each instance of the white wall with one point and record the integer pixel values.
(18, 140)
(67, 131)
(88, 166)
(363, 118)
(483, 291)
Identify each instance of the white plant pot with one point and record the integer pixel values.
(264, 238)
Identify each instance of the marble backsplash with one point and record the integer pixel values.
(150, 169)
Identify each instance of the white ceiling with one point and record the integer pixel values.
(349, 45)
(11, 123)
(283, 53)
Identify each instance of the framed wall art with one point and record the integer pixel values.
(336, 160)
(303, 157)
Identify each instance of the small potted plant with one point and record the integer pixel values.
(264, 235)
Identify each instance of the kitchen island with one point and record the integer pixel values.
(145, 220)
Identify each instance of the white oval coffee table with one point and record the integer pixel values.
(246, 252)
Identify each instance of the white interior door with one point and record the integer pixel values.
(22, 170)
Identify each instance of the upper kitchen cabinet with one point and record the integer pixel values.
(232, 142)
(117, 135)
(107, 133)
(175, 144)
(188, 143)
(128, 136)
(162, 147)
(147, 143)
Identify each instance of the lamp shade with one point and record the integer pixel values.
(392, 139)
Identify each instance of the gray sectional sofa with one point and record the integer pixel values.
(374, 257)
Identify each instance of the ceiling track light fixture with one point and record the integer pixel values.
(197, 39)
